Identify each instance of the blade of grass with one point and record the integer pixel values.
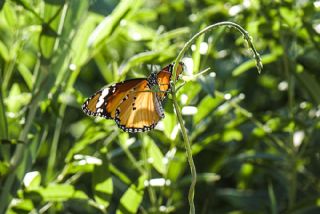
(22, 158)
(3, 120)
(273, 200)
(64, 76)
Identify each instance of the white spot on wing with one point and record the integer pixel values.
(104, 93)
(99, 103)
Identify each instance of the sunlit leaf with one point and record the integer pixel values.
(21, 206)
(56, 192)
(32, 180)
(155, 155)
(102, 184)
(110, 23)
(130, 201)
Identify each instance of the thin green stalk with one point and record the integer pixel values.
(272, 198)
(3, 122)
(59, 122)
(290, 64)
(132, 158)
(176, 106)
(8, 68)
(152, 194)
(245, 34)
(189, 152)
(54, 145)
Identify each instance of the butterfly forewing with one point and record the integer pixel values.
(104, 102)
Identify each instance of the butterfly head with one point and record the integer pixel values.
(180, 68)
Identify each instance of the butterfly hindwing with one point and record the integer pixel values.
(140, 111)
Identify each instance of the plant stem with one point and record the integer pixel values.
(245, 34)
(188, 151)
(176, 106)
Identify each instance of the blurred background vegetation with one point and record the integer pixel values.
(255, 142)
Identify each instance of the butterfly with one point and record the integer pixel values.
(136, 104)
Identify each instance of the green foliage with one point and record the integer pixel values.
(254, 137)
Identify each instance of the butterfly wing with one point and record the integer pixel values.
(140, 110)
(105, 101)
(164, 77)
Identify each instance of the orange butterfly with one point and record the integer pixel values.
(136, 104)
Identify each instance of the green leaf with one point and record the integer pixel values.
(104, 30)
(137, 32)
(26, 75)
(80, 145)
(139, 59)
(17, 99)
(32, 180)
(80, 53)
(132, 198)
(169, 122)
(56, 193)
(104, 68)
(155, 154)
(10, 14)
(206, 107)
(21, 206)
(102, 184)
(177, 166)
(120, 175)
(198, 147)
(4, 168)
(175, 33)
(82, 163)
(231, 135)
(80, 41)
(145, 14)
(4, 52)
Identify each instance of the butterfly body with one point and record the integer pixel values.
(135, 105)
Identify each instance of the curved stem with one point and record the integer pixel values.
(245, 34)
(187, 146)
(177, 108)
